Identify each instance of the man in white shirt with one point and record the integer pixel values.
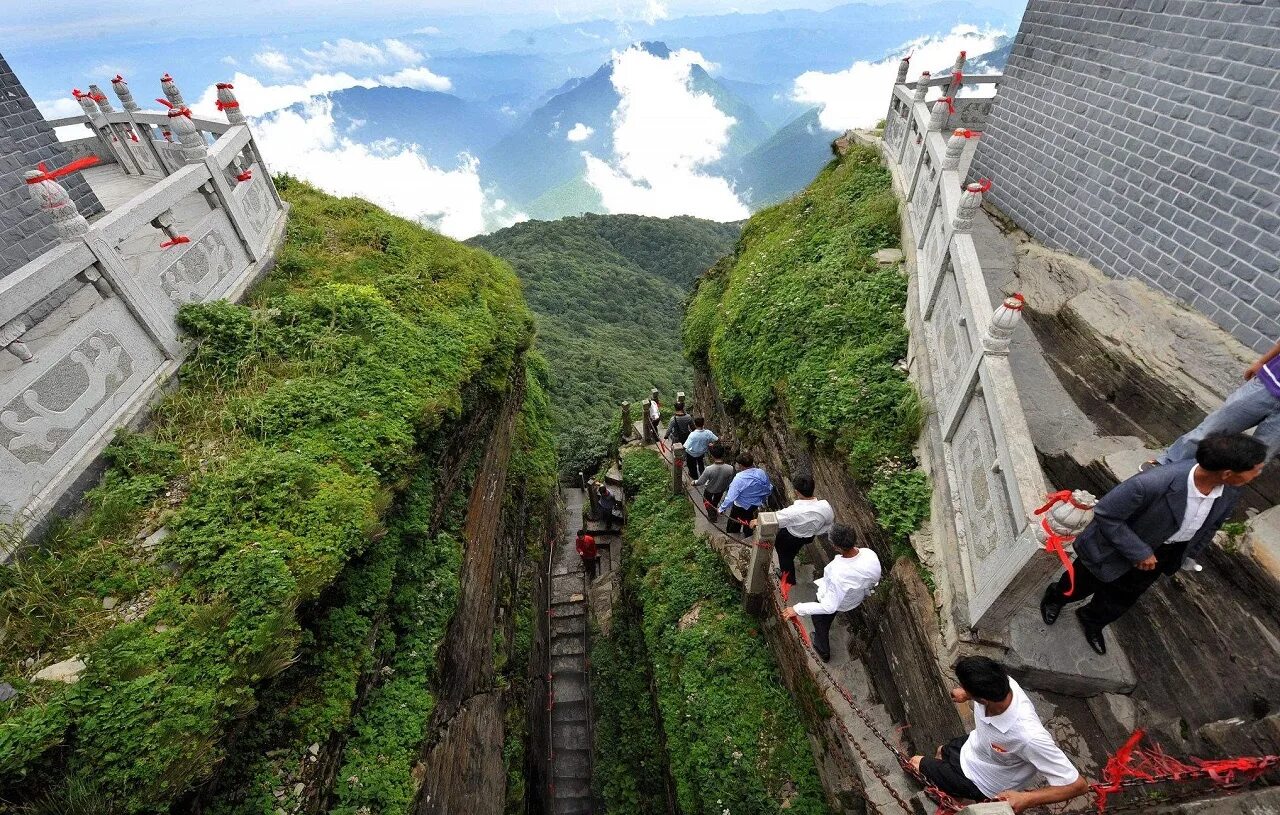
(1007, 748)
(845, 583)
(1147, 525)
(798, 524)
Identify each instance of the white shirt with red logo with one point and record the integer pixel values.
(1005, 752)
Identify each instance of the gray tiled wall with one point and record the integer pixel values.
(1144, 136)
(25, 141)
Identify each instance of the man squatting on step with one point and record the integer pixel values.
(845, 583)
(1147, 525)
(1007, 747)
(713, 481)
(748, 491)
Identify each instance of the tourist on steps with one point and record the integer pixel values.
(655, 414)
(845, 583)
(680, 426)
(1146, 525)
(1006, 749)
(695, 447)
(713, 481)
(587, 551)
(798, 523)
(608, 507)
(1255, 404)
(748, 491)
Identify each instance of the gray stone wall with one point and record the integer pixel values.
(25, 141)
(1144, 137)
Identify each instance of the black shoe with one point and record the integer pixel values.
(824, 657)
(1049, 610)
(1093, 636)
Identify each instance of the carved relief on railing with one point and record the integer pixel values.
(895, 126)
(199, 270)
(257, 203)
(986, 512)
(971, 113)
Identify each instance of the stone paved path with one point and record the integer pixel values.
(571, 706)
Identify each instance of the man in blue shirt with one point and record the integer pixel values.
(695, 447)
(748, 491)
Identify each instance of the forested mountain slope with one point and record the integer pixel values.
(608, 292)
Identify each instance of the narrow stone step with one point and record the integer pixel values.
(568, 646)
(568, 713)
(570, 736)
(573, 806)
(569, 663)
(571, 690)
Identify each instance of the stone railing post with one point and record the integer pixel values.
(124, 94)
(131, 107)
(904, 65)
(104, 103)
(626, 423)
(1066, 516)
(680, 399)
(969, 203)
(57, 204)
(757, 581)
(95, 124)
(228, 104)
(922, 87)
(941, 112)
(1003, 322)
(194, 149)
(959, 66)
(171, 92)
(955, 148)
(646, 424)
(677, 469)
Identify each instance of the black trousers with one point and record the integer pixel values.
(713, 499)
(788, 546)
(945, 773)
(1112, 599)
(822, 634)
(737, 515)
(695, 464)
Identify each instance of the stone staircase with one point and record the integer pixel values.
(570, 702)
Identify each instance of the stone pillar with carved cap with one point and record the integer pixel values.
(228, 104)
(904, 65)
(955, 148)
(970, 201)
(57, 204)
(922, 87)
(677, 469)
(626, 423)
(757, 579)
(941, 112)
(171, 92)
(1003, 323)
(194, 148)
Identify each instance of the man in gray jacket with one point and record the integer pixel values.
(1145, 527)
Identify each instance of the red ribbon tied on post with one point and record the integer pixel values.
(966, 134)
(117, 78)
(1055, 543)
(245, 176)
(224, 105)
(175, 111)
(174, 241)
(957, 79)
(951, 106)
(50, 175)
(981, 185)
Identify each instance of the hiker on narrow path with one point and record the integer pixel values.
(748, 491)
(797, 525)
(696, 446)
(845, 583)
(713, 481)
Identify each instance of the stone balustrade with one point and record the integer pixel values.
(88, 328)
(982, 460)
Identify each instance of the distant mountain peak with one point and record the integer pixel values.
(657, 49)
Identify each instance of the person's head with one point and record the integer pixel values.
(745, 461)
(582, 533)
(717, 452)
(803, 485)
(1234, 458)
(984, 679)
(843, 538)
(679, 408)
(698, 421)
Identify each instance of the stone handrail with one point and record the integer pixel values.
(994, 485)
(87, 330)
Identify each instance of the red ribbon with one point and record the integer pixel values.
(50, 175)
(981, 185)
(177, 239)
(968, 134)
(785, 585)
(245, 176)
(951, 108)
(175, 111)
(117, 78)
(804, 635)
(222, 85)
(1061, 496)
(225, 105)
(166, 77)
(1018, 306)
(1055, 543)
(957, 79)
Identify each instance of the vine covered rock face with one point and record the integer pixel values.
(734, 734)
(802, 319)
(300, 421)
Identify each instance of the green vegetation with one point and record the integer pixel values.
(733, 731)
(608, 291)
(300, 425)
(802, 319)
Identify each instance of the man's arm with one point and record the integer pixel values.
(829, 606)
(1021, 801)
(1253, 369)
(735, 488)
(1112, 516)
(1065, 781)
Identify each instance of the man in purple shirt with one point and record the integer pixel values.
(1254, 404)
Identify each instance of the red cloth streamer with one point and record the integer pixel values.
(50, 175)
(225, 105)
(175, 111)
(166, 77)
(981, 185)
(951, 106)
(968, 134)
(245, 176)
(785, 587)
(804, 635)
(957, 79)
(1022, 301)
(962, 54)
(1055, 543)
(174, 241)
(1060, 496)
(226, 85)
(117, 78)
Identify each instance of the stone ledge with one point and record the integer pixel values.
(1056, 658)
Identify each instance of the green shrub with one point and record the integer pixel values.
(733, 732)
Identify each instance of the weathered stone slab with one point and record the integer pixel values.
(68, 671)
(1057, 658)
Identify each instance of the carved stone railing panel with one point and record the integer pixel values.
(988, 462)
(87, 330)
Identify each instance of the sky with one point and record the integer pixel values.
(286, 56)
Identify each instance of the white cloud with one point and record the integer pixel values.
(580, 132)
(391, 175)
(401, 51)
(110, 69)
(258, 99)
(60, 107)
(427, 31)
(859, 95)
(664, 135)
(655, 10)
(229, 60)
(420, 78)
(345, 52)
(273, 61)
